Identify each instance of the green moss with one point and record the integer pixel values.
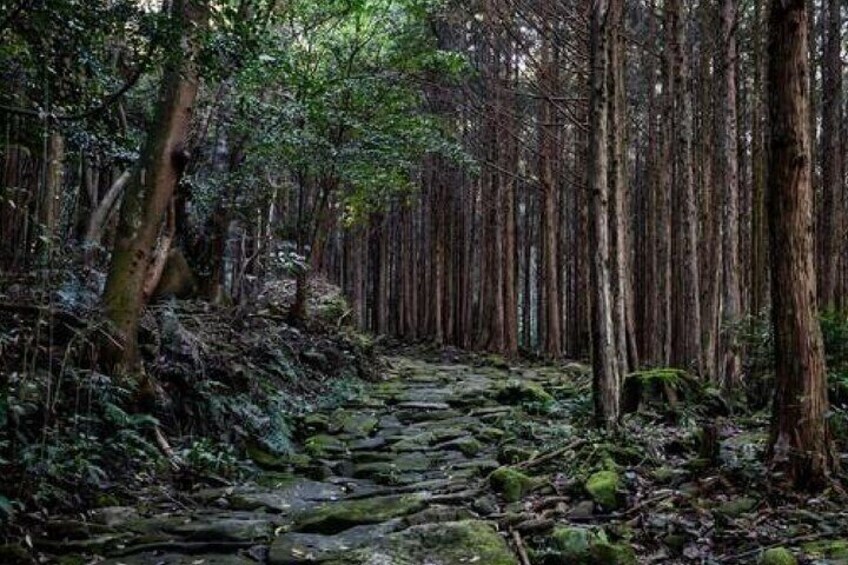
(777, 556)
(511, 484)
(572, 543)
(265, 459)
(737, 507)
(465, 541)
(576, 545)
(336, 517)
(511, 454)
(518, 392)
(602, 487)
(106, 500)
(828, 549)
(468, 446)
(608, 553)
(322, 445)
(352, 422)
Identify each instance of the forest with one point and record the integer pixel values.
(423, 282)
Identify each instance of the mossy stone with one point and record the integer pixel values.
(572, 543)
(511, 454)
(315, 422)
(352, 422)
(518, 392)
(322, 445)
(602, 487)
(777, 556)
(736, 507)
(836, 550)
(511, 484)
(106, 500)
(608, 553)
(265, 459)
(464, 541)
(336, 517)
(468, 446)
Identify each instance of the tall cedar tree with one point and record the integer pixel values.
(799, 438)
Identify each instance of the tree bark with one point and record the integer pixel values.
(152, 186)
(830, 234)
(605, 362)
(732, 298)
(798, 447)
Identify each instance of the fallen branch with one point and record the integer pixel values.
(550, 455)
(519, 547)
(162, 442)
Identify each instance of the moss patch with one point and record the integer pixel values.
(777, 556)
(511, 484)
(323, 445)
(336, 517)
(602, 487)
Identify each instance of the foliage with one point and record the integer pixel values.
(87, 436)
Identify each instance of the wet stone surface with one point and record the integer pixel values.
(398, 476)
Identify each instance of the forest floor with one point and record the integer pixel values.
(451, 459)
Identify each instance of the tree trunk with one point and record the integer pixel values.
(152, 186)
(605, 363)
(799, 438)
(550, 270)
(732, 299)
(830, 234)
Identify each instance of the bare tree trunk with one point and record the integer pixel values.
(51, 198)
(550, 270)
(153, 183)
(691, 307)
(605, 361)
(759, 229)
(622, 288)
(831, 232)
(732, 299)
(799, 446)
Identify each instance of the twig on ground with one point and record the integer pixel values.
(550, 455)
(519, 547)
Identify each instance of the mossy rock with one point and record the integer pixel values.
(777, 556)
(608, 553)
(490, 434)
(571, 543)
(836, 550)
(465, 541)
(603, 488)
(352, 422)
(265, 459)
(106, 500)
(322, 445)
(512, 485)
(575, 545)
(736, 507)
(468, 446)
(336, 517)
(522, 392)
(315, 422)
(276, 479)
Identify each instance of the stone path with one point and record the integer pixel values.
(410, 473)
